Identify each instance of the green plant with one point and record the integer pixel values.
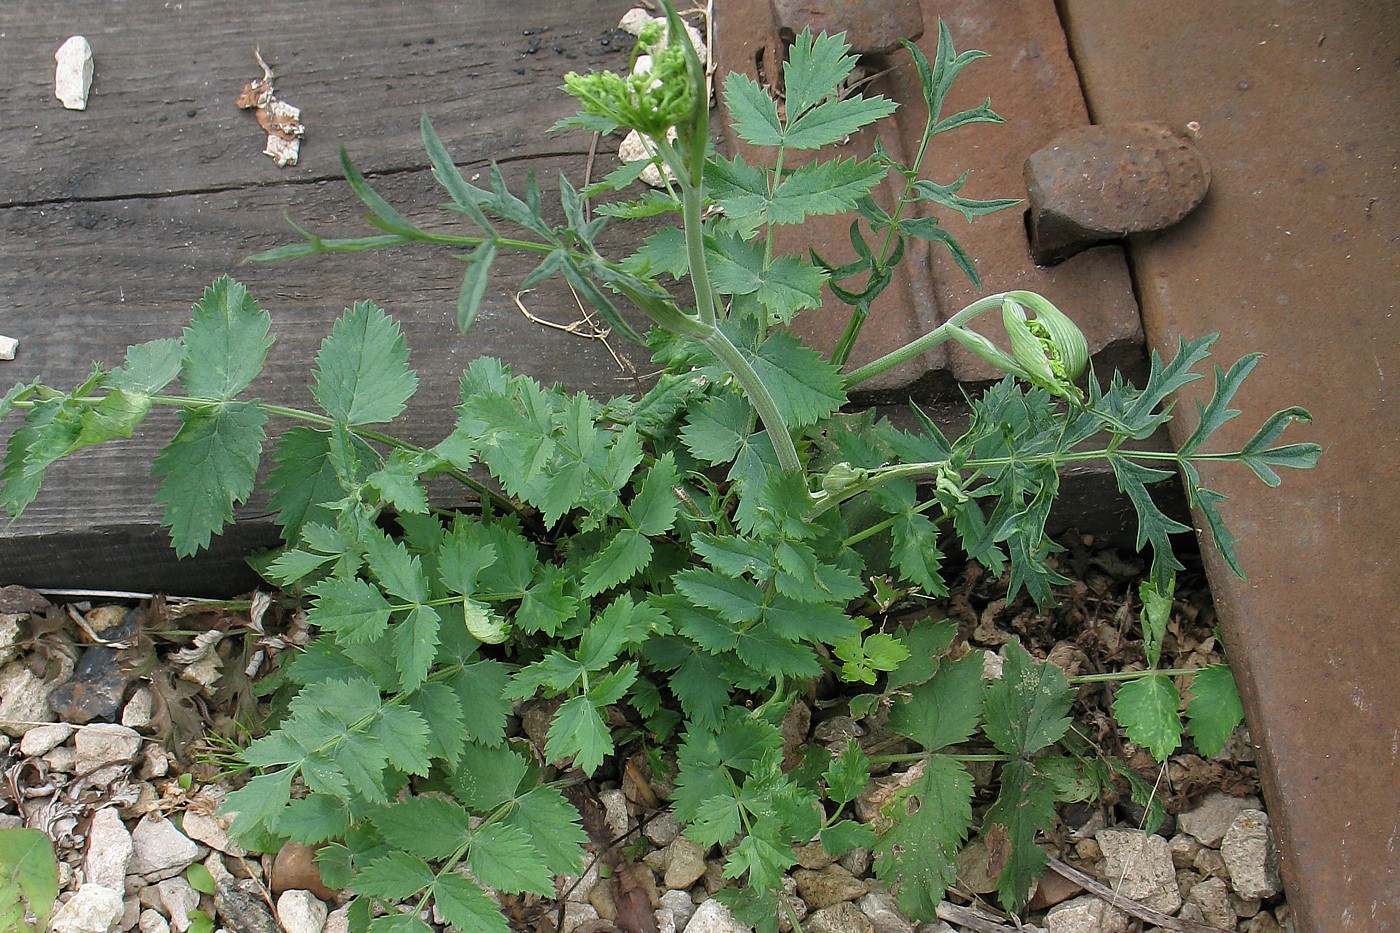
(686, 561)
(28, 878)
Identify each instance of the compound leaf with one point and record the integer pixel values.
(814, 70)
(626, 554)
(226, 342)
(1213, 710)
(428, 827)
(415, 646)
(805, 386)
(503, 857)
(206, 469)
(362, 374)
(396, 876)
(1026, 707)
(1025, 807)
(753, 111)
(353, 609)
(918, 856)
(465, 906)
(828, 187)
(553, 825)
(944, 710)
(579, 732)
(833, 120)
(1148, 710)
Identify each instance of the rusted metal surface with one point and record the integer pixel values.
(871, 26)
(1033, 85)
(1099, 183)
(1294, 254)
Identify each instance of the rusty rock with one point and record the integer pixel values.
(870, 26)
(1099, 183)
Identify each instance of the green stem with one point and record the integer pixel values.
(920, 756)
(1118, 676)
(933, 338)
(759, 397)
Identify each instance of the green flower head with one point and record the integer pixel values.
(651, 100)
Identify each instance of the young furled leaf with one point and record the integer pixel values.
(847, 774)
(1213, 710)
(226, 342)
(207, 468)
(362, 374)
(1148, 710)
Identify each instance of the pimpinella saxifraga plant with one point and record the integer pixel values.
(671, 569)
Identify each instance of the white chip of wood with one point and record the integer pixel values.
(73, 77)
(8, 346)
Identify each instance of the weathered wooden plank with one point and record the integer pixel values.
(83, 280)
(161, 116)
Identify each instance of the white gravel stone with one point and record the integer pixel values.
(338, 921)
(838, 918)
(685, 864)
(1085, 914)
(1248, 851)
(882, 909)
(105, 743)
(138, 710)
(24, 700)
(714, 917)
(210, 830)
(160, 847)
(109, 850)
(151, 921)
(680, 905)
(178, 897)
(615, 812)
(43, 739)
(1212, 896)
(1213, 816)
(73, 74)
(301, 912)
(576, 914)
(94, 909)
(9, 622)
(662, 829)
(64, 759)
(1139, 866)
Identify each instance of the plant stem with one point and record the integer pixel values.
(1118, 676)
(759, 397)
(933, 338)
